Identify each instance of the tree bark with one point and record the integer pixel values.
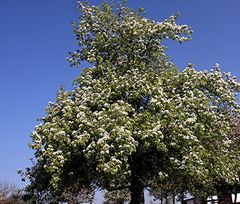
(224, 195)
(173, 198)
(225, 198)
(235, 197)
(120, 202)
(137, 190)
(137, 187)
(201, 201)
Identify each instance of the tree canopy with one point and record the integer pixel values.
(133, 120)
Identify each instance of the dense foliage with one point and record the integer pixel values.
(132, 119)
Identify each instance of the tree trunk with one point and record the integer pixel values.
(169, 199)
(120, 202)
(137, 190)
(137, 187)
(225, 198)
(173, 198)
(201, 201)
(224, 195)
(235, 197)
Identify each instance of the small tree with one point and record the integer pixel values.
(9, 194)
(132, 119)
(117, 196)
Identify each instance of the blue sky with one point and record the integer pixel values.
(36, 36)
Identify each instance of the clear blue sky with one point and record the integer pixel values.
(36, 36)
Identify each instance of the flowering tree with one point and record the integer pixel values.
(132, 119)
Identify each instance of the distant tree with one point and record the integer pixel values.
(117, 196)
(9, 194)
(132, 119)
